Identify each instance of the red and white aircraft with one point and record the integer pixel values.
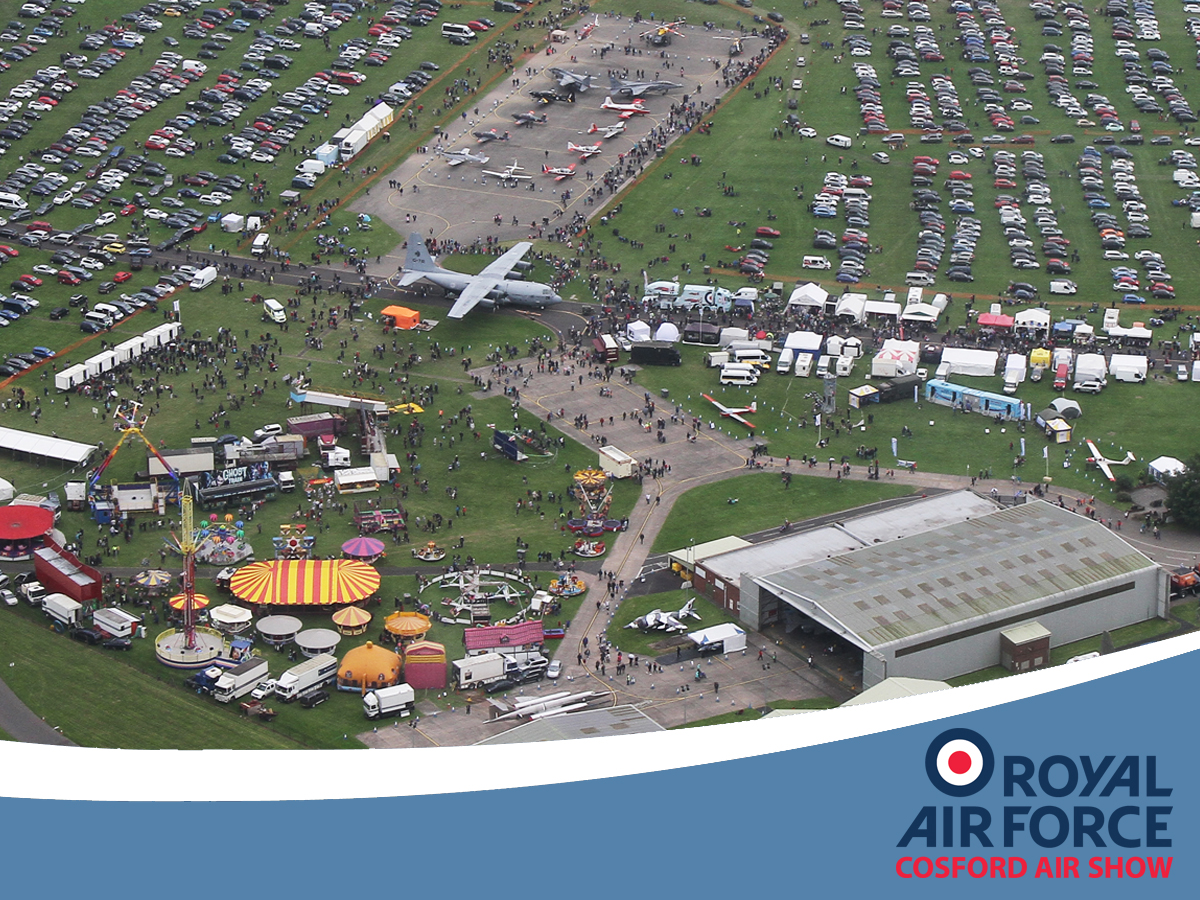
(608, 131)
(585, 151)
(559, 173)
(1098, 459)
(733, 412)
(624, 110)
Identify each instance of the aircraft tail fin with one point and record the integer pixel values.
(592, 129)
(753, 407)
(418, 263)
(545, 170)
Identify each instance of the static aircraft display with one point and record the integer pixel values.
(490, 287)
(576, 81)
(545, 97)
(484, 137)
(733, 412)
(559, 173)
(529, 119)
(607, 131)
(640, 88)
(657, 620)
(660, 35)
(1104, 464)
(458, 157)
(584, 151)
(509, 173)
(624, 110)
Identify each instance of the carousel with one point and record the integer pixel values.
(22, 530)
(315, 641)
(230, 618)
(588, 549)
(301, 583)
(567, 586)
(219, 542)
(431, 552)
(293, 542)
(279, 631)
(367, 549)
(593, 489)
(351, 620)
(404, 627)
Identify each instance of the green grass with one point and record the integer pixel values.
(704, 513)
(1122, 637)
(633, 641)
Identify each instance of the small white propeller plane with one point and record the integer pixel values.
(509, 173)
(559, 173)
(734, 412)
(1105, 464)
(585, 151)
(607, 131)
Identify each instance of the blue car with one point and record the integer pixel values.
(821, 212)
(42, 352)
(1133, 298)
(847, 278)
(141, 251)
(1098, 204)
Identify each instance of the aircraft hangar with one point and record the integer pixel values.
(940, 602)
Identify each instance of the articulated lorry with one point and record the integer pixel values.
(309, 675)
(240, 680)
(488, 668)
(398, 700)
(63, 609)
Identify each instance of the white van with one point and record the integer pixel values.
(193, 65)
(1063, 286)
(804, 363)
(920, 279)
(716, 359)
(840, 141)
(823, 365)
(311, 167)
(816, 262)
(98, 318)
(273, 311)
(112, 312)
(261, 245)
(739, 375)
(755, 357)
(454, 29)
(783, 365)
(10, 200)
(203, 278)
(315, 30)
(853, 193)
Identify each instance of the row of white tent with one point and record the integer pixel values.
(159, 336)
(898, 358)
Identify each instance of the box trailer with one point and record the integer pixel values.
(115, 622)
(71, 378)
(617, 463)
(317, 424)
(63, 609)
(353, 144)
(240, 680)
(480, 671)
(310, 674)
(398, 700)
(655, 353)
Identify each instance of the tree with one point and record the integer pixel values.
(1183, 494)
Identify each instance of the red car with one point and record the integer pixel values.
(9, 251)
(68, 278)
(128, 209)
(476, 25)
(31, 280)
(765, 231)
(121, 277)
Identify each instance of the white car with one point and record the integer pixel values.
(554, 670)
(338, 90)
(63, 197)
(808, 132)
(264, 689)
(90, 262)
(105, 219)
(156, 214)
(45, 270)
(209, 200)
(176, 153)
(262, 156)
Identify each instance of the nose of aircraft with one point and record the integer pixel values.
(555, 298)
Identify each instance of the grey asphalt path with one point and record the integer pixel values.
(22, 725)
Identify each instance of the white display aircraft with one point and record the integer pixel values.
(733, 412)
(559, 173)
(1105, 464)
(624, 110)
(584, 151)
(490, 287)
(509, 173)
(608, 131)
(657, 620)
(458, 157)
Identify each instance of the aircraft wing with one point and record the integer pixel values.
(738, 418)
(500, 267)
(634, 89)
(471, 295)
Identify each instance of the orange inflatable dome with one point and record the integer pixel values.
(369, 666)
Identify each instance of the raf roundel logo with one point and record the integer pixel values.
(959, 762)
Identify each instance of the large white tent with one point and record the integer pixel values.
(809, 294)
(667, 332)
(728, 635)
(1165, 467)
(965, 361)
(896, 358)
(45, 446)
(804, 342)
(6, 490)
(1033, 320)
(637, 331)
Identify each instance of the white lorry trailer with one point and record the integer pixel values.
(397, 700)
(488, 668)
(308, 675)
(115, 622)
(240, 680)
(62, 608)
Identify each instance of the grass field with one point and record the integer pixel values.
(633, 641)
(704, 513)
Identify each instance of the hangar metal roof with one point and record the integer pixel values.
(845, 536)
(893, 592)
